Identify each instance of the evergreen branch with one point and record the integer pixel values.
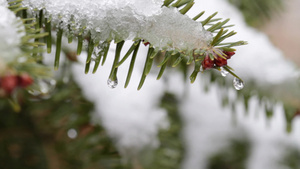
(195, 72)
(166, 58)
(89, 56)
(198, 16)
(79, 47)
(213, 49)
(217, 26)
(131, 49)
(187, 7)
(58, 48)
(177, 61)
(161, 71)
(256, 11)
(114, 69)
(233, 74)
(182, 3)
(105, 53)
(49, 37)
(23, 64)
(225, 37)
(209, 19)
(131, 66)
(147, 67)
(102, 54)
(217, 37)
(168, 2)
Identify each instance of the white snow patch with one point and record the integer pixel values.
(3, 3)
(126, 20)
(131, 117)
(9, 35)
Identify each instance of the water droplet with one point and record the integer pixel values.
(201, 69)
(72, 133)
(238, 84)
(44, 88)
(112, 83)
(224, 72)
(97, 29)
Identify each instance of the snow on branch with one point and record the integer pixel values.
(11, 32)
(163, 24)
(125, 20)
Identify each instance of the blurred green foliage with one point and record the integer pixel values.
(234, 156)
(291, 159)
(256, 12)
(37, 136)
(171, 151)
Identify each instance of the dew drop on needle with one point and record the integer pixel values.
(112, 83)
(238, 84)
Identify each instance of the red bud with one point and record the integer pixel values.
(8, 83)
(207, 63)
(228, 54)
(25, 80)
(220, 61)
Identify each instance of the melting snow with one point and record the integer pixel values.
(126, 19)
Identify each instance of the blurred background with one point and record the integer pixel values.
(276, 28)
(80, 123)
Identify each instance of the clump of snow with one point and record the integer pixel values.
(125, 20)
(3, 3)
(11, 32)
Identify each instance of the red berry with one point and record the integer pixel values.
(207, 63)
(25, 80)
(8, 83)
(228, 54)
(219, 61)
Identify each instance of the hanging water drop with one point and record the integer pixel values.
(112, 83)
(201, 69)
(224, 72)
(238, 84)
(44, 88)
